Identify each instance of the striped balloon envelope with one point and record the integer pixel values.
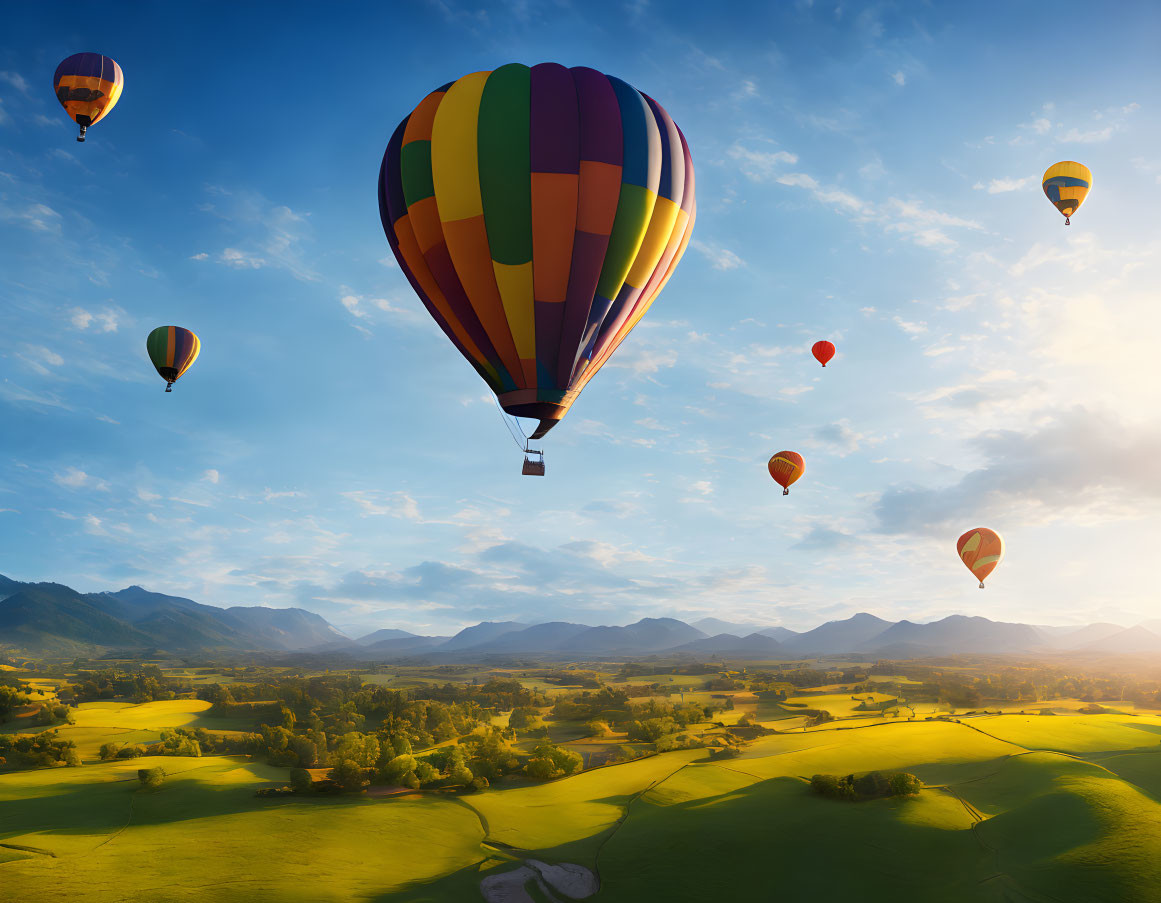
(172, 351)
(537, 213)
(88, 86)
(785, 467)
(1066, 185)
(981, 550)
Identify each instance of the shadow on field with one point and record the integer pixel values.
(99, 807)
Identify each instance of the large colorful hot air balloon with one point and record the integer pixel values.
(981, 550)
(88, 86)
(823, 351)
(786, 467)
(172, 350)
(1067, 184)
(537, 213)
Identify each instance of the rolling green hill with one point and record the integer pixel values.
(1002, 817)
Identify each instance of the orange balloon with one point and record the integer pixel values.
(981, 550)
(786, 467)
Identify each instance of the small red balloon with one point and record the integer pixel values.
(823, 351)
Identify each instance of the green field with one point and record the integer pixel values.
(1015, 808)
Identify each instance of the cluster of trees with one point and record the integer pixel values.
(340, 704)
(37, 751)
(873, 785)
(12, 698)
(141, 683)
(645, 722)
(172, 743)
(817, 716)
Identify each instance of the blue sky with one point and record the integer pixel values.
(867, 173)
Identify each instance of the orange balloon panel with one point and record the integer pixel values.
(981, 550)
(786, 467)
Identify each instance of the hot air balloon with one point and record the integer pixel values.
(823, 351)
(786, 467)
(88, 86)
(172, 350)
(981, 550)
(1067, 184)
(537, 212)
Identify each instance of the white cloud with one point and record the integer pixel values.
(240, 260)
(746, 90)
(761, 165)
(799, 179)
(643, 361)
(392, 504)
(999, 186)
(211, 476)
(911, 328)
(107, 318)
(75, 478)
(35, 217)
(351, 303)
(17, 81)
(200, 256)
(1076, 136)
(44, 355)
(720, 258)
(899, 78)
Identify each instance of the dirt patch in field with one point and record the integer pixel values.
(574, 882)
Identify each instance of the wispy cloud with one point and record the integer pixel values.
(720, 258)
(1000, 186)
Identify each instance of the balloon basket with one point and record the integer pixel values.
(786, 492)
(169, 388)
(532, 468)
(982, 585)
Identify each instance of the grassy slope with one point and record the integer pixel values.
(997, 822)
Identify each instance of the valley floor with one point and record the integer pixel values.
(1014, 808)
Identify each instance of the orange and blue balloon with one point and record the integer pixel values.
(1066, 185)
(785, 467)
(537, 212)
(88, 86)
(172, 351)
(981, 550)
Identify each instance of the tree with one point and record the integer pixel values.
(523, 718)
(398, 769)
(108, 751)
(871, 785)
(904, 784)
(300, 780)
(550, 761)
(347, 775)
(151, 778)
(461, 774)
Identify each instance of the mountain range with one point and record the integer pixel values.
(52, 618)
